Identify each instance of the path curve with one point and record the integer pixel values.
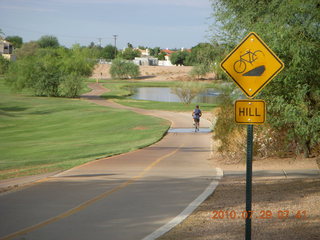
(138, 195)
(178, 119)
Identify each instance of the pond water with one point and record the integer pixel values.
(165, 94)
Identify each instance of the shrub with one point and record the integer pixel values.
(188, 90)
(27, 50)
(41, 75)
(231, 136)
(4, 65)
(122, 69)
(130, 54)
(199, 71)
(268, 142)
(72, 85)
(179, 58)
(50, 72)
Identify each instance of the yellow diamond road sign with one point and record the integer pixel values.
(252, 65)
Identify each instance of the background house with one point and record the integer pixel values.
(6, 49)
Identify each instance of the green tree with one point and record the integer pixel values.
(130, 53)
(4, 65)
(109, 52)
(51, 72)
(48, 41)
(15, 40)
(155, 51)
(179, 57)
(291, 30)
(41, 74)
(161, 56)
(203, 53)
(27, 49)
(122, 69)
(79, 60)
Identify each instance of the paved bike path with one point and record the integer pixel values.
(128, 196)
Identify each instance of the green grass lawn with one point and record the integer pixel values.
(41, 134)
(120, 90)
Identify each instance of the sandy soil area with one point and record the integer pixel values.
(152, 73)
(283, 209)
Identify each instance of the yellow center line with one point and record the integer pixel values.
(89, 202)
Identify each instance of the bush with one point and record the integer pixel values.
(4, 65)
(72, 85)
(199, 71)
(123, 69)
(230, 136)
(42, 75)
(27, 50)
(77, 60)
(188, 90)
(130, 54)
(179, 58)
(268, 142)
(291, 29)
(51, 72)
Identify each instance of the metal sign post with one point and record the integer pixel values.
(249, 181)
(251, 65)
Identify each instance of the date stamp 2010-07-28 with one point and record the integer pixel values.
(263, 214)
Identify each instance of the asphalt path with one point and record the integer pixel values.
(137, 195)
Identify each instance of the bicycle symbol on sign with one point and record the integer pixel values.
(240, 65)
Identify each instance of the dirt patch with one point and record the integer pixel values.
(152, 73)
(284, 209)
(140, 128)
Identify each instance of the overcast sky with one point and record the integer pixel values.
(163, 23)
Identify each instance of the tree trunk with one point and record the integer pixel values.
(307, 149)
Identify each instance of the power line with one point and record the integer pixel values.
(59, 35)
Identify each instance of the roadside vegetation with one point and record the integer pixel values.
(45, 134)
(51, 72)
(291, 30)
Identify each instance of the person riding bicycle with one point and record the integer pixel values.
(196, 114)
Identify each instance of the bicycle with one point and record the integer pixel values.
(240, 65)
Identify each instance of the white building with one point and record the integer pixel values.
(6, 50)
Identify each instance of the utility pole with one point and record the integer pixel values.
(115, 44)
(100, 41)
(115, 40)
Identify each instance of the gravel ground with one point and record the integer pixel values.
(272, 197)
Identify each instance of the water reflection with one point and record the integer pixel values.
(164, 94)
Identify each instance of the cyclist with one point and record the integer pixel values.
(196, 114)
